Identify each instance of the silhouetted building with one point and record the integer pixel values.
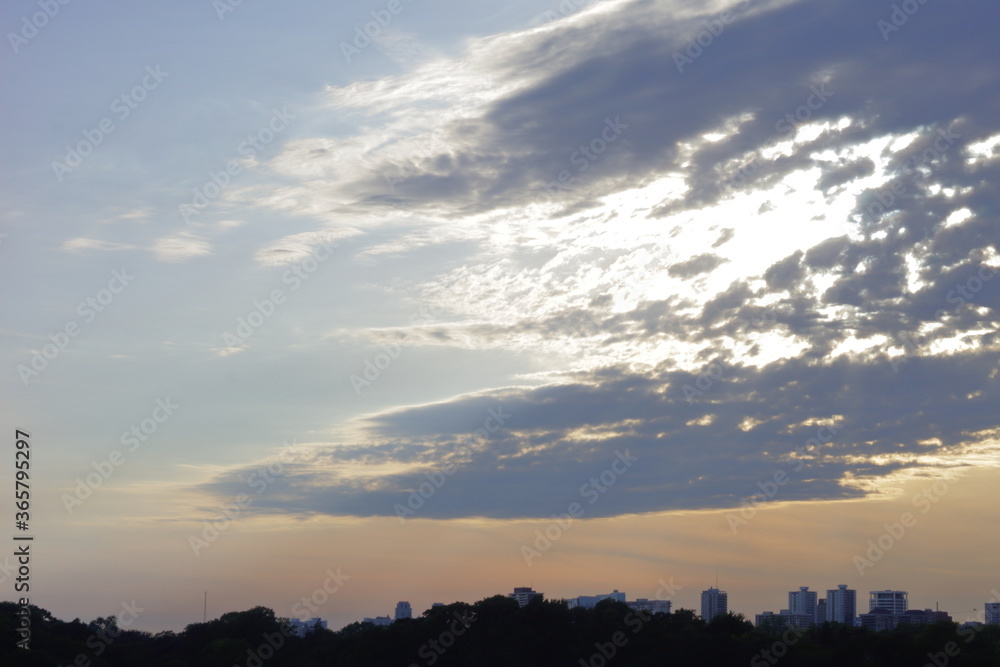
(993, 613)
(379, 620)
(302, 627)
(714, 603)
(842, 605)
(403, 610)
(652, 606)
(771, 622)
(883, 619)
(878, 619)
(590, 601)
(524, 595)
(802, 607)
(893, 601)
(922, 617)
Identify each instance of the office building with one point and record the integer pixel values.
(993, 613)
(300, 628)
(895, 602)
(651, 606)
(771, 622)
(524, 595)
(821, 611)
(590, 601)
(883, 619)
(714, 603)
(403, 610)
(841, 605)
(922, 616)
(378, 620)
(878, 619)
(802, 607)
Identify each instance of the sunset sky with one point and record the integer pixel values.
(280, 298)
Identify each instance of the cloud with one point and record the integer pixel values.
(779, 208)
(837, 431)
(180, 247)
(84, 244)
(692, 267)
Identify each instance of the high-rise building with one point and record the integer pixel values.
(771, 622)
(893, 601)
(590, 601)
(651, 606)
(301, 628)
(802, 605)
(820, 611)
(993, 613)
(403, 610)
(378, 620)
(714, 603)
(842, 605)
(878, 619)
(881, 618)
(524, 595)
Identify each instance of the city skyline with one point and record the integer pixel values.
(327, 306)
(802, 602)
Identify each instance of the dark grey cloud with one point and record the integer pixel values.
(706, 440)
(766, 63)
(696, 448)
(700, 264)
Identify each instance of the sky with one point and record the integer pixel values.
(353, 303)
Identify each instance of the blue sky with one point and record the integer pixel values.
(500, 245)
